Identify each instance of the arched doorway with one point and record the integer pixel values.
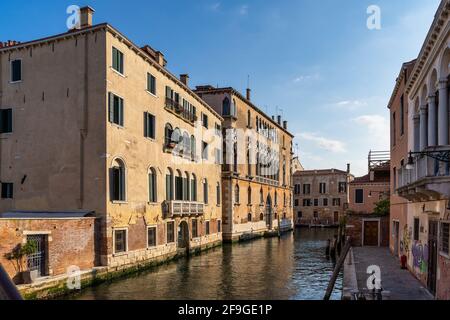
(183, 236)
(269, 213)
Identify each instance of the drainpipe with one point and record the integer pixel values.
(84, 119)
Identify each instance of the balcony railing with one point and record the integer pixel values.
(177, 108)
(424, 166)
(268, 181)
(184, 208)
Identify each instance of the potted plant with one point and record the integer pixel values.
(18, 258)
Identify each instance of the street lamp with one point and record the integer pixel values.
(441, 155)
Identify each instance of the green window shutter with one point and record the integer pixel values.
(120, 102)
(152, 126)
(111, 107)
(114, 59)
(150, 187)
(146, 124)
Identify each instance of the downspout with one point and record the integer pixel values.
(84, 119)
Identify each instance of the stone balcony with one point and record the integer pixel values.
(175, 209)
(428, 179)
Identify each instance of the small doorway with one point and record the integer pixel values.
(371, 233)
(336, 217)
(432, 255)
(183, 236)
(37, 261)
(396, 237)
(269, 219)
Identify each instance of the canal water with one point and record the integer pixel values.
(291, 268)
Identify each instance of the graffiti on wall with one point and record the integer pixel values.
(406, 241)
(420, 256)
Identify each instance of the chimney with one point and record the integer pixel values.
(285, 125)
(348, 168)
(185, 79)
(249, 91)
(160, 58)
(86, 14)
(279, 120)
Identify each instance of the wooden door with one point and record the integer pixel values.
(432, 255)
(370, 233)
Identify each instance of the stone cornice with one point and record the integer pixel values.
(429, 46)
(124, 39)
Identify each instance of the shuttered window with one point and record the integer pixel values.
(359, 196)
(16, 70)
(7, 190)
(445, 238)
(118, 184)
(170, 232)
(205, 191)
(194, 228)
(416, 229)
(152, 186)
(149, 125)
(5, 120)
(207, 231)
(115, 104)
(120, 241)
(151, 84)
(117, 60)
(151, 237)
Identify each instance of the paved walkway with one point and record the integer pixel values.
(400, 283)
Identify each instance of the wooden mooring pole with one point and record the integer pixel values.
(337, 269)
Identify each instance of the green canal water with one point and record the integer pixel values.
(291, 268)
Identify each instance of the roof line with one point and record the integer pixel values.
(241, 96)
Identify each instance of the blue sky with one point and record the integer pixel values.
(314, 61)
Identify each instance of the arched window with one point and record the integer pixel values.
(218, 195)
(249, 119)
(194, 188)
(284, 199)
(169, 184)
(152, 187)
(177, 140)
(179, 186)
(276, 198)
(205, 191)
(261, 196)
(168, 134)
(226, 107)
(249, 217)
(249, 196)
(186, 186)
(186, 145)
(193, 148)
(261, 217)
(234, 108)
(235, 157)
(236, 194)
(118, 181)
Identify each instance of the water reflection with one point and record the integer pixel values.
(293, 267)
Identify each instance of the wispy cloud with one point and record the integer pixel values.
(215, 6)
(350, 104)
(377, 127)
(302, 78)
(327, 144)
(243, 10)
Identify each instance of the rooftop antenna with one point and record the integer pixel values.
(248, 81)
(296, 151)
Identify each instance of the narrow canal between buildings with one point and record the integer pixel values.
(291, 268)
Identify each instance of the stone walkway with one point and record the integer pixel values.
(400, 283)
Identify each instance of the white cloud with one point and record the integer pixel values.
(243, 10)
(215, 6)
(331, 145)
(302, 78)
(378, 128)
(351, 104)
